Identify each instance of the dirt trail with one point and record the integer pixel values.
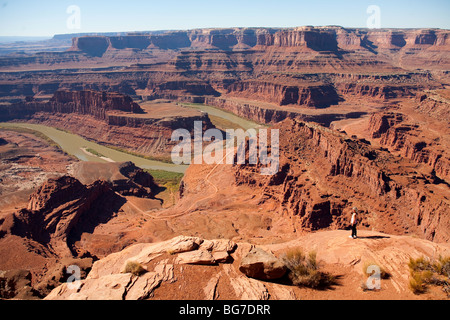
(188, 210)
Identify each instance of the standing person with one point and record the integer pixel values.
(354, 222)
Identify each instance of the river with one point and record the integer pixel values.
(76, 145)
(213, 111)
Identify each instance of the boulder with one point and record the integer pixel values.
(195, 257)
(142, 253)
(219, 245)
(109, 287)
(262, 265)
(221, 256)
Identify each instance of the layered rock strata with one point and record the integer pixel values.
(61, 209)
(323, 174)
(108, 118)
(398, 134)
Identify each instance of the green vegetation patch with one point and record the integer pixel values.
(94, 152)
(168, 179)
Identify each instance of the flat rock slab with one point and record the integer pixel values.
(195, 257)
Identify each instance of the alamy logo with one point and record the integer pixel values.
(374, 20)
(74, 20)
(220, 150)
(73, 281)
(374, 280)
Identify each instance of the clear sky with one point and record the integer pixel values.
(49, 17)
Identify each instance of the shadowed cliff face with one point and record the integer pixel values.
(93, 103)
(397, 133)
(314, 38)
(55, 209)
(62, 209)
(93, 46)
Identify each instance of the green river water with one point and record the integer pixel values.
(74, 144)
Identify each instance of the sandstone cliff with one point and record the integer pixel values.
(339, 171)
(321, 66)
(273, 114)
(397, 134)
(307, 38)
(434, 105)
(109, 118)
(61, 209)
(125, 178)
(92, 103)
(317, 95)
(322, 175)
(55, 210)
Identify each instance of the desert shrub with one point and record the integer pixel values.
(419, 264)
(424, 272)
(416, 283)
(304, 270)
(442, 266)
(135, 268)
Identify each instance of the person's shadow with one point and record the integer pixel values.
(374, 237)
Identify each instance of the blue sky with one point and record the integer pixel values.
(49, 17)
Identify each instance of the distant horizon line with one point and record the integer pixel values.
(208, 28)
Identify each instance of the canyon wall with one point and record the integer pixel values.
(324, 174)
(434, 106)
(56, 208)
(317, 95)
(271, 115)
(92, 103)
(314, 38)
(308, 66)
(61, 209)
(395, 133)
(106, 118)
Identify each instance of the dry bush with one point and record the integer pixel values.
(304, 270)
(419, 264)
(442, 266)
(425, 272)
(416, 284)
(135, 268)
